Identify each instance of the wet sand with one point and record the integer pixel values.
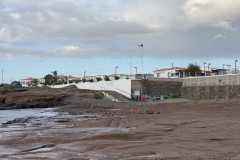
(192, 130)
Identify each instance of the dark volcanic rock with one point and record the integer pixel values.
(12, 101)
(2, 99)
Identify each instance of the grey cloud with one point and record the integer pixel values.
(212, 12)
(66, 20)
(169, 29)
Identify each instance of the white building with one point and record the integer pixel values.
(29, 81)
(74, 79)
(175, 72)
(26, 82)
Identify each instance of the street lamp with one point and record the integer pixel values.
(141, 45)
(223, 66)
(84, 74)
(116, 70)
(136, 69)
(204, 69)
(236, 66)
(208, 67)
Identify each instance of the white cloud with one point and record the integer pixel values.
(71, 48)
(8, 57)
(218, 36)
(211, 12)
(15, 15)
(225, 25)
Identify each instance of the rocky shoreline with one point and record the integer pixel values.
(39, 98)
(184, 131)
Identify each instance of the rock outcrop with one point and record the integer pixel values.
(22, 101)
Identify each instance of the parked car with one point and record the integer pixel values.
(17, 85)
(1, 85)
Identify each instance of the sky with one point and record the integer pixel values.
(74, 36)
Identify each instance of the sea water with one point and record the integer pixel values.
(8, 115)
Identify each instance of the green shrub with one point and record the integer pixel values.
(99, 79)
(6, 88)
(116, 77)
(59, 83)
(166, 97)
(175, 96)
(106, 78)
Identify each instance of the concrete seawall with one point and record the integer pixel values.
(216, 87)
(157, 86)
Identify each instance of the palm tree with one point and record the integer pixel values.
(55, 76)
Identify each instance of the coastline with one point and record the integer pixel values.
(153, 131)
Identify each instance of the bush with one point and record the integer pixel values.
(106, 78)
(116, 77)
(6, 88)
(77, 81)
(99, 79)
(166, 97)
(59, 83)
(176, 96)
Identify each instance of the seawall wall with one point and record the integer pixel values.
(215, 87)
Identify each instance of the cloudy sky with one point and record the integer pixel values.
(73, 36)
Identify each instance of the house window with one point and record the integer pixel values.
(158, 75)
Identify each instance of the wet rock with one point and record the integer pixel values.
(2, 99)
(18, 120)
(30, 101)
(150, 112)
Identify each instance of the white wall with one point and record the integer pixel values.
(165, 73)
(122, 86)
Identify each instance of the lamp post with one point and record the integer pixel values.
(136, 69)
(208, 67)
(236, 66)
(204, 69)
(84, 74)
(116, 70)
(223, 66)
(141, 45)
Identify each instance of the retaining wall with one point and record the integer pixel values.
(122, 86)
(157, 87)
(216, 87)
